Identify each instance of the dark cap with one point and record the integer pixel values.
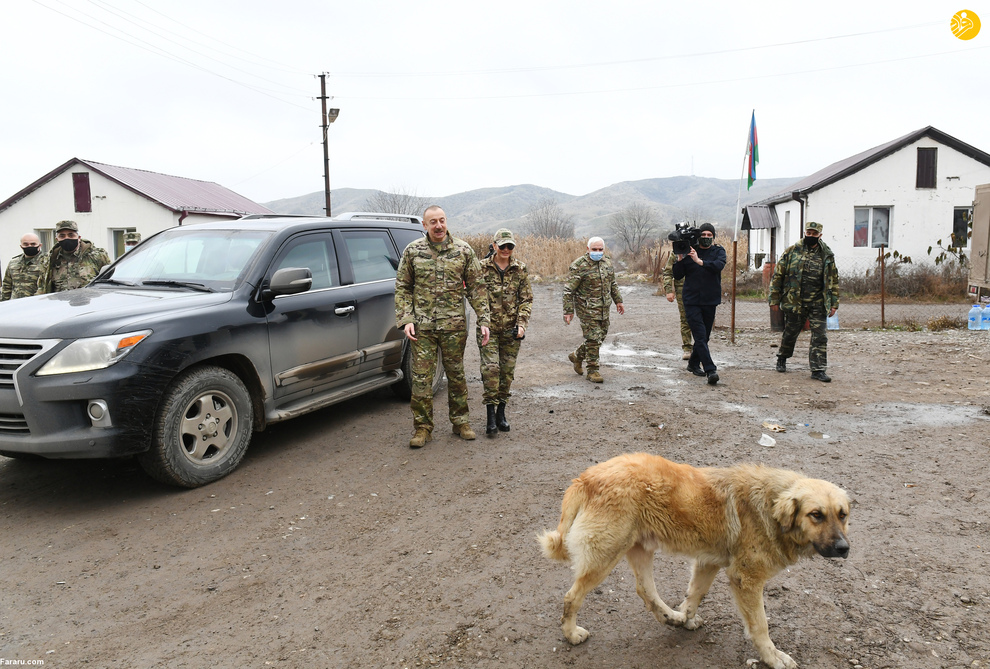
(707, 226)
(66, 225)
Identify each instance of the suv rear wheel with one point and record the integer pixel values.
(403, 388)
(202, 429)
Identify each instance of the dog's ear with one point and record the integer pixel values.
(785, 510)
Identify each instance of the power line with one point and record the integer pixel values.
(699, 54)
(662, 86)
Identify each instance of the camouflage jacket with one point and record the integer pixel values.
(22, 276)
(785, 286)
(591, 288)
(670, 284)
(432, 281)
(72, 270)
(510, 297)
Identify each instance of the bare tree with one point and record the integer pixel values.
(547, 219)
(399, 202)
(634, 227)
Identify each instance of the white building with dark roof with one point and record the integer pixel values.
(108, 201)
(905, 195)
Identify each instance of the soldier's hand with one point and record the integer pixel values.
(410, 330)
(567, 318)
(485, 334)
(832, 312)
(521, 333)
(670, 297)
(774, 308)
(621, 309)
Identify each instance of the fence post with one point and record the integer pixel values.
(732, 323)
(883, 288)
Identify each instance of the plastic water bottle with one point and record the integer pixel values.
(986, 318)
(832, 322)
(975, 317)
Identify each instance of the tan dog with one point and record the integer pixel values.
(751, 520)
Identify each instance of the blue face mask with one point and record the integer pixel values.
(596, 255)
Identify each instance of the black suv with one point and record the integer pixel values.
(202, 334)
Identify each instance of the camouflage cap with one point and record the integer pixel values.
(817, 227)
(66, 225)
(134, 237)
(504, 236)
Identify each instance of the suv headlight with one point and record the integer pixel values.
(84, 355)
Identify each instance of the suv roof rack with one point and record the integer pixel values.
(257, 217)
(371, 215)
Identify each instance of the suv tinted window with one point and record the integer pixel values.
(316, 253)
(371, 254)
(404, 238)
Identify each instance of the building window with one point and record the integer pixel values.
(962, 221)
(117, 240)
(927, 168)
(871, 227)
(80, 191)
(47, 237)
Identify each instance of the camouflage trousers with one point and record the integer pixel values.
(793, 324)
(424, 367)
(594, 335)
(498, 365)
(687, 343)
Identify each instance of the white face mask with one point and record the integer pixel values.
(596, 255)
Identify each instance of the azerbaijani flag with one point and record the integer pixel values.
(752, 152)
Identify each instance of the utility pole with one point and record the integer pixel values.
(329, 116)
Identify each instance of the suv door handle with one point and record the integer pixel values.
(343, 311)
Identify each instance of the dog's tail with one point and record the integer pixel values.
(553, 542)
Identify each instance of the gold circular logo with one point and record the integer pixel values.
(965, 24)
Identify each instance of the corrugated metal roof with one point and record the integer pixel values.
(759, 217)
(175, 193)
(843, 168)
(179, 193)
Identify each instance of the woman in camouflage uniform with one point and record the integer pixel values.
(510, 299)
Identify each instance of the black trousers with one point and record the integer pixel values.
(700, 319)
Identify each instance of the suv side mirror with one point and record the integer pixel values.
(288, 281)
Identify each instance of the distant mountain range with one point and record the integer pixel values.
(696, 199)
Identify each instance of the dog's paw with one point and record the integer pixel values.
(779, 660)
(577, 635)
(693, 623)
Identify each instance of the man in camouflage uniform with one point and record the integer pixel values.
(74, 261)
(590, 290)
(674, 288)
(131, 239)
(805, 286)
(24, 271)
(434, 275)
(510, 299)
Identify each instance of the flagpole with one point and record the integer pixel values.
(735, 239)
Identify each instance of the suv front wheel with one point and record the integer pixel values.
(202, 429)
(403, 388)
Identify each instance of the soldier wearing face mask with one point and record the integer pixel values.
(74, 261)
(805, 286)
(23, 271)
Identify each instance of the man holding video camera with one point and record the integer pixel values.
(699, 262)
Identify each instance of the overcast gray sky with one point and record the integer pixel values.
(441, 97)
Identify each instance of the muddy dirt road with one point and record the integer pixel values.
(335, 545)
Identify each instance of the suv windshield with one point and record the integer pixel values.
(211, 259)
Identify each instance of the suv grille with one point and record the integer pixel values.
(17, 352)
(13, 424)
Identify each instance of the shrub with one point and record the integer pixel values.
(545, 258)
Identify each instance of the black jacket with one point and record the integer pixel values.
(702, 283)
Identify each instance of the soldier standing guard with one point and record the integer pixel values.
(510, 299)
(74, 261)
(434, 276)
(24, 271)
(590, 290)
(131, 239)
(805, 286)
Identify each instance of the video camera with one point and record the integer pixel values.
(683, 238)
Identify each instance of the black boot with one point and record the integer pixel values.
(500, 418)
(491, 429)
